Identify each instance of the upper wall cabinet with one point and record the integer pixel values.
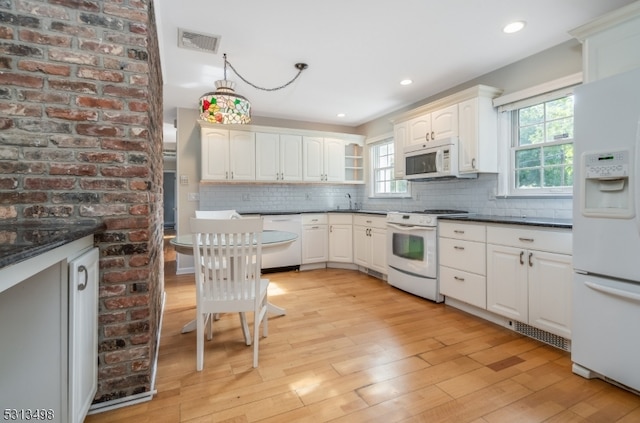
(610, 43)
(228, 155)
(278, 157)
(433, 126)
(323, 159)
(468, 114)
(283, 155)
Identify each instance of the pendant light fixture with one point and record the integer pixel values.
(224, 106)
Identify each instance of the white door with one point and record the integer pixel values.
(378, 259)
(267, 156)
(290, 157)
(419, 129)
(468, 133)
(444, 123)
(341, 243)
(315, 247)
(550, 293)
(313, 150)
(242, 155)
(83, 334)
(215, 154)
(507, 292)
(334, 163)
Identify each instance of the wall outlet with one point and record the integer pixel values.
(194, 196)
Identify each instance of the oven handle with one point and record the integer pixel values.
(408, 228)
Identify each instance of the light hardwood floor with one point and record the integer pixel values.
(353, 349)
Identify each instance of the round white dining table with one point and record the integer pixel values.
(271, 241)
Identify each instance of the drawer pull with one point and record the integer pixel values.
(526, 239)
(458, 248)
(458, 231)
(458, 278)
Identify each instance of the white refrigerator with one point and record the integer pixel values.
(606, 230)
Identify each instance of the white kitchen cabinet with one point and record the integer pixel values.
(610, 43)
(315, 238)
(278, 157)
(323, 159)
(341, 237)
(439, 124)
(400, 140)
(462, 250)
(370, 242)
(227, 155)
(49, 338)
(529, 276)
(478, 135)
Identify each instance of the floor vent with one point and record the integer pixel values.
(198, 41)
(543, 336)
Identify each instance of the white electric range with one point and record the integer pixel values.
(412, 251)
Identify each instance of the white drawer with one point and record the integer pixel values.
(314, 219)
(463, 286)
(469, 256)
(340, 218)
(370, 221)
(552, 240)
(468, 231)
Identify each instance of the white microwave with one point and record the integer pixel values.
(433, 159)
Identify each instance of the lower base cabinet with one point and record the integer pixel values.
(370, 242)
(48, 339)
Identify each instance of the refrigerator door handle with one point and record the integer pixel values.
(613, 291)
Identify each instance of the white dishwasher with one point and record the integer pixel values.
(290, 257)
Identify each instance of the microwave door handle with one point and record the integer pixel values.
(408, 228)
(439, 161)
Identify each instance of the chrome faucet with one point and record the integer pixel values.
(349, 197)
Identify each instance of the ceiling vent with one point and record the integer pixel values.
(196, 41)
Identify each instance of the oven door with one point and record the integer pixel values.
(412, 249)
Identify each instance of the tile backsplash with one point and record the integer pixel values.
(473, 195)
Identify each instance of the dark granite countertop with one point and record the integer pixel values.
(526, 221)
(20, 241)
(271, 213)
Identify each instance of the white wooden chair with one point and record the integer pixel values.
(235, 287)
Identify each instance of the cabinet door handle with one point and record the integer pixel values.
(232, 175)
(530, 256)
(433, 136)
(226, 175)
(83, 269)
(331, 228)
(473, 163)
(526, 239)
(521, 256)
(458, 248)
(458, 278)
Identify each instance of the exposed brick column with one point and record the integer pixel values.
(80, 138)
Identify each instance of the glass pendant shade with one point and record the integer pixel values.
(224, 106)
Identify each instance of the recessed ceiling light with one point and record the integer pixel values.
(341, 115)
(513, 27)
(406, 82)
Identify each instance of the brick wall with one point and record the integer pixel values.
(80, 138)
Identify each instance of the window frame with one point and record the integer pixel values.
(508, 107)
(372, 144)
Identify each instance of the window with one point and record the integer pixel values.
(543, 146)
(537, 139)
(382, 160)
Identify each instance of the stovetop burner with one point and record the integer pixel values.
(440, 211)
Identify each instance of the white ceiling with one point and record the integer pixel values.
(357, 50)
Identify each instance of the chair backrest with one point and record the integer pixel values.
(235, 243)
(217, 214)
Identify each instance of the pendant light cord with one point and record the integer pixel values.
(299, 66)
